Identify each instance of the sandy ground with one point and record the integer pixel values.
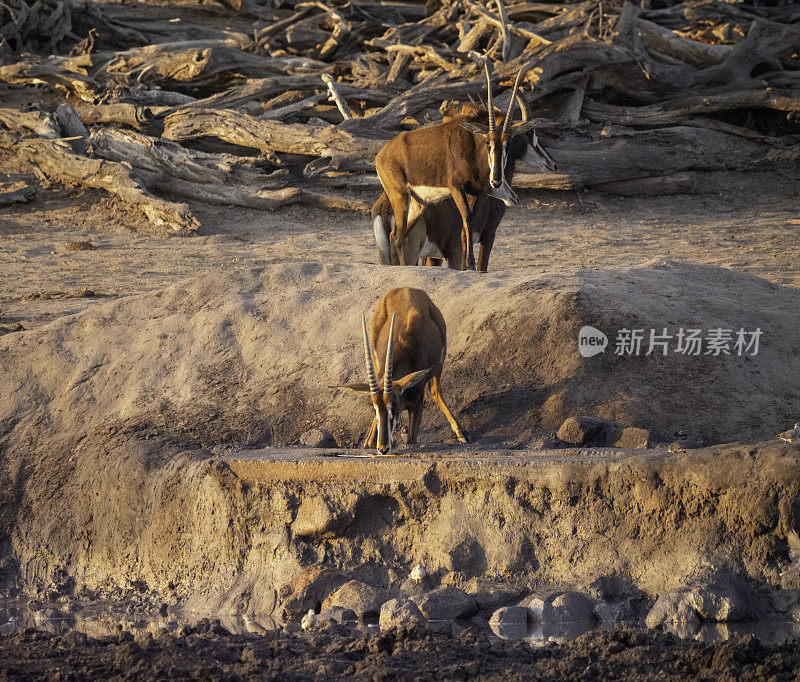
(753, 226)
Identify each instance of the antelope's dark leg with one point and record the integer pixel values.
(438, 398)
(414, 420)
(487, 241)
(372, 435)
(396, 189)
(466, 234)
(398, 235)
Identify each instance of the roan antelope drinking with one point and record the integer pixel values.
(408, 339)
(458, 157)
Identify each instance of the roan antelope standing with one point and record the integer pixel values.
(458, 157)
(408, 339)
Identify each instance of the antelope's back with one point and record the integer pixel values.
(420, 331)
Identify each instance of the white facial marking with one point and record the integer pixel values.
(504, 193)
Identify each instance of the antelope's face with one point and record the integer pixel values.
(496, 148)
(387, 414)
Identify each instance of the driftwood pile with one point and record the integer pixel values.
(262, 105)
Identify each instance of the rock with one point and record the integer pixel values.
(307, 590)
(399, 612)
(318, 438)
(446, 603)
(672, 608)
(337, 614)
(80, 246)
(416, 588)
(535, 606)
(318, 518)
(632, 437)
(568, 607)
(613, 613)
(580, 430)
(602, 432)
(364, 599)
(510, 615)
(490, 598)
(727, 602)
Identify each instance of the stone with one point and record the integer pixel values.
(568, 607)
(632, 437)
(510, 615)
(337, 614)
(416, 588)
(446, 603)
(490, 600)
(580, 430)
(364, 599)
(318, 438)
(399, 612)
(613, 613)
(728, 602)
(307, 590)
(535, 606)
(318, 518)
(672, 608)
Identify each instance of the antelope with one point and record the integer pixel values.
(437, 232)
(458, 157)
(415, 352)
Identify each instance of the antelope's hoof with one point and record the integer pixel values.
(463, 438)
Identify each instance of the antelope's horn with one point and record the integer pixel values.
(507, 122)
(489, 104)
(387, 375)
(374, 389)
(523, 107)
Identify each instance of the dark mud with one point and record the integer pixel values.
(208, 651)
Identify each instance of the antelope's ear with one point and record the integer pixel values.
(413, 379)
(524, 127)
(474, 127)
(356, 388)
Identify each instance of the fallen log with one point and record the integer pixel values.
(53, 73)
(120, 113)
(56, 161)
(29, 123)
(247, 131)
(251, 197)
(161, 156)
(677, 110)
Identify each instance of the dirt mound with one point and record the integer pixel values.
(249, 358)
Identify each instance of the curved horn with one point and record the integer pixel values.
(387, 375)
(489, 104)
(373, 380)
(507, 122)
(523, 107)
